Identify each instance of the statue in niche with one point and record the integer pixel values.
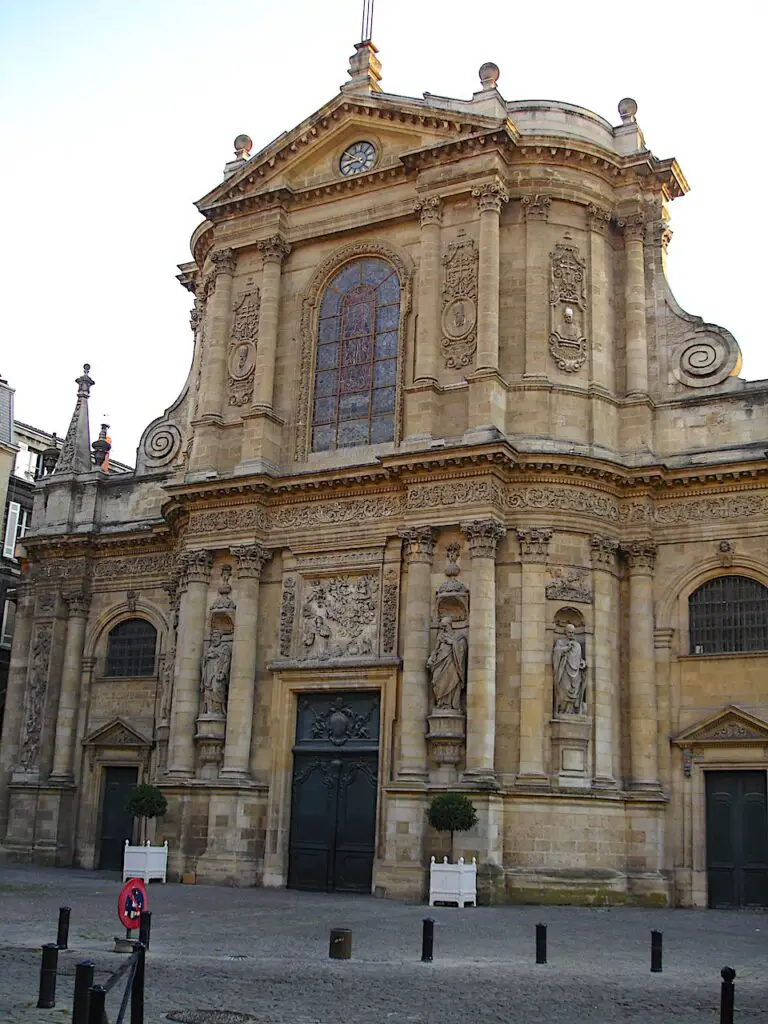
(214, 683)
(448, 665)
(570, 681)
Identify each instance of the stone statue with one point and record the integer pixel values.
(448, 665)
(214, 684)
(570, 682)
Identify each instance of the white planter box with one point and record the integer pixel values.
(145, 862)
(453, 883)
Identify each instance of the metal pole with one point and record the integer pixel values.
(137, 985)
(727, 993)
(46, 996)
(96, 996)
(62, 935)
(656, 952)
(145, 927)
(541, 943)
(427, 940)
(83, 981)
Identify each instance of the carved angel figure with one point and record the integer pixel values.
(448, 665)
(214, 683)
(570, 682)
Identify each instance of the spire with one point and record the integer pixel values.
(75, 456)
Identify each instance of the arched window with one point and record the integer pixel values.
(728, 614)
(131, 649)
(356, 360)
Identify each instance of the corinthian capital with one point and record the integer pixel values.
(418, 544)
(483, 536)
(534, 544)
(274, 249)
(223, 261)
(429, 209)
(634, 227)
(640, 555)
(490, 196)
(78, 601)
(604, 551)
(251, 559)
(598, 220)
(195, 567)
(536, 207)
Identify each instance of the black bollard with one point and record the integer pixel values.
(62, 935)
(137, 985)
(145, 926)
(340, 947)
(427, 940)
(541, 943)
(46, 996)
(727, 993)
(96, 997)
(656, 952)
(83, 981)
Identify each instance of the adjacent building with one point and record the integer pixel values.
(456, 496)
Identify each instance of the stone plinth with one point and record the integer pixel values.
(570, 750)
(209, 740)
(447, 729)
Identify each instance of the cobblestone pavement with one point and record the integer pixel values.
(265, 953)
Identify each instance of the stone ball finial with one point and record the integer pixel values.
(243, 146)
(627, 110)
(489, 75)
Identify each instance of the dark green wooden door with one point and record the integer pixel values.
(333, 806)
(116, 822)
(737, 839)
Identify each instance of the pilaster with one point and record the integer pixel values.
(535, 691)
(14, 695)
(605, 657)
(66, 718)
(430, 212)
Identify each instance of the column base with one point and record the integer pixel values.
(179, 774)
(538, 780)
(645, 786)
(415, 775)
(480, 778)
(234, 775)
(61, 779)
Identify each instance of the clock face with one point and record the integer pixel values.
(359, 157)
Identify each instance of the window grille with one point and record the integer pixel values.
(728, 614)
(356, 361)
(131, 649)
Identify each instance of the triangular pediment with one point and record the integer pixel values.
(307, 157)
(731, 725)
(117, 733)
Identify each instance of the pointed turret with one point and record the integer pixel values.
(75, 456)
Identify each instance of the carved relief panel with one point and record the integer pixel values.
(34, 697)
(241, 360)
(459, 304)
(568, 307)
(332, 617)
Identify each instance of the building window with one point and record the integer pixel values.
(26, 464)
(356, 362)
(131, 649)
(6, 627)
(16, 525)
(728, 614)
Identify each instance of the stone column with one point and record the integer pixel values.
(537, 274)
(634, 307)
(418, 549)
(535, 688)
(66, 718)
(196, 573)
(273, 251)
(242, 680)
(601, 327)
(484, 536)
(430, 211)
(605, 655)
(490, 198)
(14, 695)
(643, 712)
(219, 316)
(668, 719)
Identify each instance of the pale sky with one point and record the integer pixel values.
(115, 117)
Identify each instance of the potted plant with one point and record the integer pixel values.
(145, 861)
(452, 883)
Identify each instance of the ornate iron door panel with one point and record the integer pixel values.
(737, 839)
(333, 808)
(116, 822)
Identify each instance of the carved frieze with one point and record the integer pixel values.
(683, 510)
(454, 492)
(134, 565)
(287, 517)
(389, 604)
(339, 617)
(459, 304)
(569, 583)
(287, 616)
(34, 697)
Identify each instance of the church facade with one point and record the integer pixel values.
(456, 496)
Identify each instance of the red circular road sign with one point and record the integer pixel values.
(131, 901)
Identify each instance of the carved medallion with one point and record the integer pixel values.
(459, 316)
(568, 305)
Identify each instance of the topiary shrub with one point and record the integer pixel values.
(146, 802)
(452, 812)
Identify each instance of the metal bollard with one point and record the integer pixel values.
(137, 985)
(727, 993)
(96, 997)
(541, 943)
(83, 981)
(62, 934)
(427, 940)
(656, 952)
(145, 926)
(340, 947)
(46, 996)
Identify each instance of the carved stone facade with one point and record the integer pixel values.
(517, 589)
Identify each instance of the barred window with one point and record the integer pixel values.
(131, 649)
(728, 614)
(356, 361)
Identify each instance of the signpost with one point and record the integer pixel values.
(131, 902)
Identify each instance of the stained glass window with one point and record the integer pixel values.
(728, 614)
(356, 362)
(131, 649)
